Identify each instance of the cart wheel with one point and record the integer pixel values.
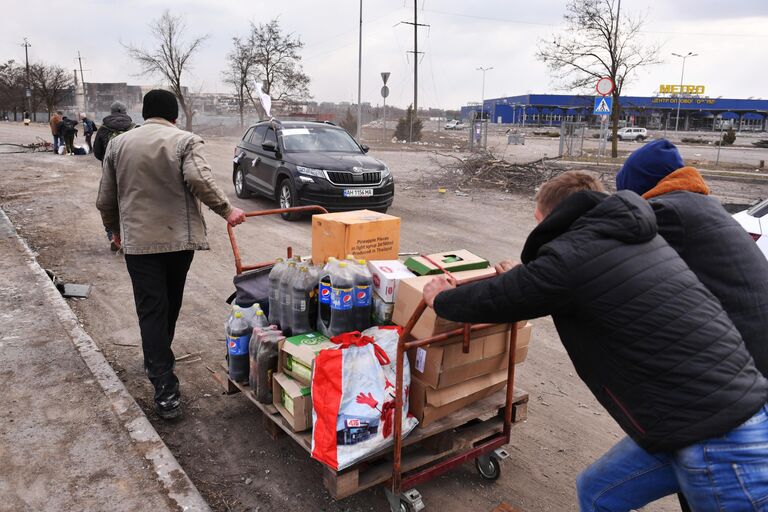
(488, 467)
(405, 507)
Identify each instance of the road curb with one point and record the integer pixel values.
(175, 481)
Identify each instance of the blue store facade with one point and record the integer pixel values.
(650, 112)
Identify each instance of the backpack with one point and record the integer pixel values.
(68, 126)
(111, 134)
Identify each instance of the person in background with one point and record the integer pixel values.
(651, 342)
(68, 132)
(54, 124)
(117, 122)
(88, 128)
(153, 181)
(716, 248)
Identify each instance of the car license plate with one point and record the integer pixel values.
(358, 192)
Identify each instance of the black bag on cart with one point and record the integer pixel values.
(252, 286)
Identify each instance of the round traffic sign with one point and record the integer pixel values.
(604, 86)
(384, 91)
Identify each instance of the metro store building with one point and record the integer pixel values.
(657, 112)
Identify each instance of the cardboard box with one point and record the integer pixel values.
(409, 294)
(386, 277)
(293, 401)
(429, 405)
(297, 355)
(452, 261)
(444, 365)
(362, 233)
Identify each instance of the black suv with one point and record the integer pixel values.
(305, 163)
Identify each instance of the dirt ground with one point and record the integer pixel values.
(220, 441)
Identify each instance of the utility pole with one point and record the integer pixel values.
(680, 93)
(416, 26)
(82, 81)
(26, 46)
(360, 76)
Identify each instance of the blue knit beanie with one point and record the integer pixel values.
(646, 166)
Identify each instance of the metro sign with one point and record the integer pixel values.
(678, 89)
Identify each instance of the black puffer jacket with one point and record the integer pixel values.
(725, 259)
(651, 342)
(111, 125)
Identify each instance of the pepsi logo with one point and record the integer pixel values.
(325, 292)
(347, 298)
(361, 295)
(232, 344)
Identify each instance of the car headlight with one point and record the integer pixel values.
(385, 173)
(309, 171)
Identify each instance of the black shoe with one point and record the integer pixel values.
(168, 398)
(113, 247)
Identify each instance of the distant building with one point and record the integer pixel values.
(655, 112)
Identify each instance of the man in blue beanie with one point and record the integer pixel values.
(153, 181)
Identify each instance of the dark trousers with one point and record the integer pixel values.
(88, 141)
(158, 289)
(69, 142)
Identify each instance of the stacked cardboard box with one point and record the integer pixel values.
(443, 378)
(291, 385)
(365, 234)
(386, 275)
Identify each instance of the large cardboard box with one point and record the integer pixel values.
(293, 401)
(410, 292)
(387, 275)
(297, 355)
(362, 233)
(429, 405)
(452, 261)
(444, 365)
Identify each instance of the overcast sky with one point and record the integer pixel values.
(730, 37)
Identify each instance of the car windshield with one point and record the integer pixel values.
(318, 138)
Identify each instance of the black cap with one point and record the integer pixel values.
(160, 103)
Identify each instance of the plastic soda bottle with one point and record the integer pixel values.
(238, 336)
(363, 297)
(285, 297)
(342, 300)
(324, 295)
(274, 290)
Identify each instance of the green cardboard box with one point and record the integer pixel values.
(453, 261)
(293, 401)
(297, 355)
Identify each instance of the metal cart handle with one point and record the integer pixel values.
(258, 213)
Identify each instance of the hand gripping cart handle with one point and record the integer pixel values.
(485, 448)
(231, 231)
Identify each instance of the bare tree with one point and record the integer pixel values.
(51, 84)
(171, 57)
(240, 72)
(278, 63)
(596, 44)
(12, 86)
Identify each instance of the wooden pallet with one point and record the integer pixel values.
(447, 436)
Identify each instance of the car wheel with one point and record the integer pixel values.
(639, 138)
(241, 188)
(286, 196)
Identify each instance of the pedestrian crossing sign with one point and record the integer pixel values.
(603, 105)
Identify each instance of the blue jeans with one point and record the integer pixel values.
(56, 143)
(723, 474)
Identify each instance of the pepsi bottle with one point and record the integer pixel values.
(363, 297)
(324, 295)
(342, 300)
(238, 337)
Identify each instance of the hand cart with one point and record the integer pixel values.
(477, 432)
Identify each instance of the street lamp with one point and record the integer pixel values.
(682, 74)
(482, 99)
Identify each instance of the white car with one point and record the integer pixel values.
(755, 221)
(454, 125)
(631, 133)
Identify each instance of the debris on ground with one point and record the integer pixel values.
(485, 169)
(33, 147)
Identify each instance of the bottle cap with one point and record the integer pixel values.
(238, 314)
(304, 269)
(343, 264)
(351, 257)
(361, 261)
(279, 260)
(331, 258)
(259, 313)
